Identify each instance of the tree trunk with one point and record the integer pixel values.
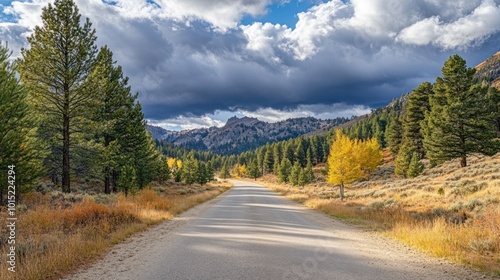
(115, 178)
(342, 191)
(66, 158)
(107, 181)
(107, 177)
(463, 161)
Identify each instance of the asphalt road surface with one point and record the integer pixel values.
(251, 232)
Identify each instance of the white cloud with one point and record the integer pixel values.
(186, 123)
(265, 37)
(222, 14)
(319, 111)
(482, 22)
(219, 118)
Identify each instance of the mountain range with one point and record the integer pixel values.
(242, 134)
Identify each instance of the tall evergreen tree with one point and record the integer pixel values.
(210, 171)
(115, 103)
(289, 151)
(459, 122)
(295, 174)
(417, 106)
(19, 145)
(190, 168)
(224, 172)
(201, 173)
(394, 134)
(254, 170)
(284, 170)
(300, 153)
(494, 101)
(277, 156)
(403, 160)
(56, 69)
(415, 167)
(269, 160)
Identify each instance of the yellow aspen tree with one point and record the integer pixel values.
(343, 162)
(171, 162)
(370, 155)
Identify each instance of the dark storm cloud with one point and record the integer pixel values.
(190, 59)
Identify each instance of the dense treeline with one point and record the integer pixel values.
(72, 114)
(456, 116)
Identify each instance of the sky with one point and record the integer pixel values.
(195, 63)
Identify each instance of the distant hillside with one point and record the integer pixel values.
(242, 134)
(489, 70)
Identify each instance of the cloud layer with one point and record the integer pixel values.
(191, 58)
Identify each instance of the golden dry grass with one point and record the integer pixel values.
(448, 211)
(54, 239)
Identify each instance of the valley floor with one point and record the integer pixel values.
(251, 232)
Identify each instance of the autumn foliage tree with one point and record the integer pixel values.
(351, 159)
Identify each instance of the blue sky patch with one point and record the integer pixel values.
(283, 13)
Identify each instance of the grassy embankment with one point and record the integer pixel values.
(448, 212)
(57, 233)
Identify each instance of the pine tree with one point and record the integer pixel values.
(210, 171)
(289, 152)
(128, 180)
(459, 122)
(269, 160)
(224, 172)
(284, 170)
(164, 172)
(309, 155)
(56, 69)
(403, 161)
(254, 170)
(295, 174)
(278, 157)
(300, 153)
(261, 154)
(494, 102)
(394, 134)
(115, 102)
(415, 167)
(307, 175)
(190, 168)
(417, 106)
(19, 145)
(201, 173)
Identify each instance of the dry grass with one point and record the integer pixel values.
(56, 233)
(448, 211)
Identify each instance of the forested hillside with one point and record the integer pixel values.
(242, 134)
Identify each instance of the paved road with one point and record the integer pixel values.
(253, 233)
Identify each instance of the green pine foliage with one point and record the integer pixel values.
(56, 69)
(403, 161)
(19, 145)
(295, 174)
(128, 180)
(224, 172)
(284, 170)
(416, 108)
(393, 134)
(459, 122)
(415, 167)
(190, 169)
(269, 160)
(254, 170)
